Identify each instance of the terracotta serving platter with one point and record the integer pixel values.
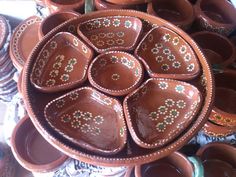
(36, 101)
(61, 64)
(89, 119)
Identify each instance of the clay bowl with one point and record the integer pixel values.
(216, 16)
(111, 33)
(127, 2)
(165, 54)
(104, 5)
(60, 5)
(87, 117)
(62, 63)
(178, 12)
(115, 73)
(32, 151)
(55, 19)
(219, 160)
(224, 112)
(220, 55)
(160, 110)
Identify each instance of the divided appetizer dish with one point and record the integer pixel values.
(109, 119)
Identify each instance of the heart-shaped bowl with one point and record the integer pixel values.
(89, 119)
(116, 73)
(62, 63)
(111, 33)
(159, 110)
(165, 54)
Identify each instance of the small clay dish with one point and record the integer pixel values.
(62, 63)
(216, 16)
(160, 110)
(220, 55)
(179, 12)
(104, 5)
(55, 19)
(60, 5)
(166, 54)
(32, 151)
(111, 33)
(115, 73)
(219, 160)
(128, 2)
(89, 119)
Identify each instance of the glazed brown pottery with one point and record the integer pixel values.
(111, 33)
(55, 19)
(128, 2)
(32, 151)
(89, 119)
(60, 5)
(160, 110)
(116, 73)
(178, 12)
(219, 160)
(23, 40)
(216, 16)
(61, 64)
(165, 54)
(219, 51)
(4, 30)
(224, 111)
(104, 5)
(174, 165)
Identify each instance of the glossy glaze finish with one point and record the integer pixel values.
(62, 63)
(104, 5)
(89, 119)
(178, 12)
(111, 33)
(128, 2)
(160, 110)
(165, 54)
(220, 55)
(60, 5)
(115, 73)
(32, 151)
(216, 16)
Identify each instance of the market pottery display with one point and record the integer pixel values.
(219, 160)
(55, 19)
(32, 151)
(216, 16)
(36, 100)
(116, 73)
(24, 39)
(111, 33)
(165, 54)
(89, 119)
(128, 2)
(218, 50)
(62, 63)
(178, 12)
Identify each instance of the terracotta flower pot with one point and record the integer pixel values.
(219, 51)
(178, 12)
(32, 151)
(218, 160)
(59, 5)
(216, 16)
(55, 19)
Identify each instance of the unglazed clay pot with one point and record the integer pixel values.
(219, 51)
(178, 12)
(89, 119)
(159, 110)
(59, 5)
(55, 19)
(167, 55)
(115, 73)
(62, 64)
(174, 165)
(219, 160)
(32, 151)
(128, 2)
(216, 16)
(111, 33)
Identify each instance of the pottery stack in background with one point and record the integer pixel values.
(8, 86)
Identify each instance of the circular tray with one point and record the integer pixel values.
(35, 101)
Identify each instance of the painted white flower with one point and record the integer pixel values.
(176, 64)
(159, 59)
(166, 37)
(163, 85)
(190, 67)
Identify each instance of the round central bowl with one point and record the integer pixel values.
(36, 101)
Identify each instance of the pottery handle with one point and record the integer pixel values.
(198, 167)
(88, 6)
